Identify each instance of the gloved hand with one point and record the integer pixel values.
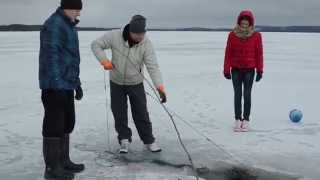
(227, 75)
(259, 76)
(107, 64)
(162, 94)
(79, 93)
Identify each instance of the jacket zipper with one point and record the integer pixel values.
(125, 68)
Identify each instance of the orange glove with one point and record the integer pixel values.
(162, 93)
(107, 64)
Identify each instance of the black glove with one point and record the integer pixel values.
(79, 93)
(227, 76)
(163, 96)
(259, 76)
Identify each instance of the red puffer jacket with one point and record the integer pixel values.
(244, 53)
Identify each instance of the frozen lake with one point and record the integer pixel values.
(191, 64)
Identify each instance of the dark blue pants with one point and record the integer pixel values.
(242, 80)
(59, 113)
(140, 115)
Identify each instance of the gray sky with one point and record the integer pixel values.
(168, 13)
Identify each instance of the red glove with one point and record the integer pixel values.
(162, 93)
(107, 64)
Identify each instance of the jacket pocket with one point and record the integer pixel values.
(71, 74)
(133, 71)
(72, 51)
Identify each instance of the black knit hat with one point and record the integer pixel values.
(138, 24)
(71, 4)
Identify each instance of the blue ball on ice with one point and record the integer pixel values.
(295, 115)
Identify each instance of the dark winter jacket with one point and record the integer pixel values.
(59, 57)
(244, 53)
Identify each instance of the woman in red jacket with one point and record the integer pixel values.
(243, 56)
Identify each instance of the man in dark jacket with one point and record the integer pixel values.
(59, 62)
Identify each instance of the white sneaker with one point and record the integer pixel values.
(124, 146)
(153, 147)
(237, 126)
(245, 126)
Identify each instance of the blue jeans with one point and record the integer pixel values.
(242, 80)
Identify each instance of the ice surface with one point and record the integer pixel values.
(191, 63)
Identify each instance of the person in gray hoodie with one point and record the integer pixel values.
(131, 51)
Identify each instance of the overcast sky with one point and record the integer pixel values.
(168, 13)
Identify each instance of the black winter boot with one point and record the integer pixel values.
(68, 164)
(52, 159)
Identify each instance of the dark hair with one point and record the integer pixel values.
(248, 18)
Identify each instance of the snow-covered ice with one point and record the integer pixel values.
(191, 63)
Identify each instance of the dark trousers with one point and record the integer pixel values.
(242, 80)
(140, 115)
(59, 114)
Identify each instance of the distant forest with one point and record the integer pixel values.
(310, 29)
